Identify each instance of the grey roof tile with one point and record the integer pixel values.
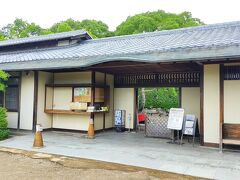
(209, 41)
(43, 38)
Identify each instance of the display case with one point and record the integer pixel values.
(76, 98)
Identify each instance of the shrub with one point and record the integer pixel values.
(4, 132)
(164, 98)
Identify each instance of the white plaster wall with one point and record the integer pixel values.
(191, 101)
(27, 97)
(211, 103)
(98, 121)
(232, 101)
(73, 77)
(109, 118)
(73, 122)
(62, 97)
(124, 100)
(12, 118)
(43, 118)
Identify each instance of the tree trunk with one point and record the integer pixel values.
(143, 98)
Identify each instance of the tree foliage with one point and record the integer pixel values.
(4, 132)
(20, 28)
(157, 20)
(97, 29)
(3, 78)
(164, 98)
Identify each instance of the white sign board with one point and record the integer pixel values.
(175, 119)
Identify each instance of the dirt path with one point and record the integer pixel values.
(19, 164)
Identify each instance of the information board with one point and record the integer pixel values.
(175, 120)
(189, 125)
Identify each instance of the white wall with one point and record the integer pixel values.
(27, 97)
(211, 103)
(12, 118)
(109, 118)
(73, 77)
(232, 101)
(43, 118)
(73, 122)
(191, 101)
(124, 100)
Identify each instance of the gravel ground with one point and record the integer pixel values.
(18, 164)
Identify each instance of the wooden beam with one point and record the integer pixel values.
(202, 106)
(35, 100)
(221, 119)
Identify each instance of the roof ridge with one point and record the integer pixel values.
(42, 37)
(168, 32)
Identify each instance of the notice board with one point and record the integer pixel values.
(189, 125)
(175, 120)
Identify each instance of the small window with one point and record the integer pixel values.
(11, 99)
(1, 99)
(12, 94)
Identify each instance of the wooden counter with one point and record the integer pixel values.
(58, 111)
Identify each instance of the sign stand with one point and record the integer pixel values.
(189, 127)
(175, 122)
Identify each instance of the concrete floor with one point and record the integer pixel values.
(135, 149)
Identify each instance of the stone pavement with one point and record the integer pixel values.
(137, 150)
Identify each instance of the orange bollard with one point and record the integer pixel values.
(38, 140)
(91, 133)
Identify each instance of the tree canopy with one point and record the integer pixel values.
(157, 20)
(144, 22)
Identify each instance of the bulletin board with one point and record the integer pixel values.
(175, 119)
(82, 94)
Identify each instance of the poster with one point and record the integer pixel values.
(189, 126)
(82, 91)
(175, 119)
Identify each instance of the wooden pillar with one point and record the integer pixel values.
(202, 106)
(93, 93)
(35, 100)
(104, 115)
(221, 106)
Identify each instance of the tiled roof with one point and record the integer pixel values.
(196, 43)
(42, 38)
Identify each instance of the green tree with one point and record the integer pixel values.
(3, 78)
(157, 20)
(4, 132)
(20, 28)
(97, 29)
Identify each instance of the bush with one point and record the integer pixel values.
(4, 132)
(164, 98)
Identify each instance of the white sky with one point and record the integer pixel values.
(113, 12)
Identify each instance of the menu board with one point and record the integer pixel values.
(189, 126)
(175, 119)
(82, 94)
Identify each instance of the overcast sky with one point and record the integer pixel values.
(113, 12)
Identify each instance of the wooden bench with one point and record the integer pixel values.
(230, 134)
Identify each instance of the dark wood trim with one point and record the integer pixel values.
(76, 85)
(104, 115)
(35, 100)
(221, 119)
(93, 94)
(135, 108)
(180, 96)
(215, 145)
(202, 106)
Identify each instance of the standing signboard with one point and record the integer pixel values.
(175, 122)
(175, 119)
(189, 126)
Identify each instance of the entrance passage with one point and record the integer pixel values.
(153, 109)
